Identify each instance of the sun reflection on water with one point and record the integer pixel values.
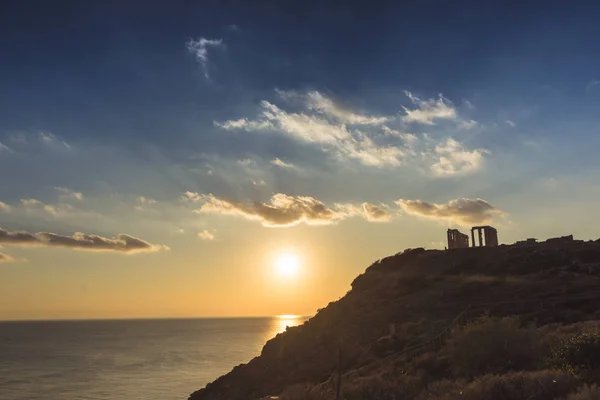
(280, 322)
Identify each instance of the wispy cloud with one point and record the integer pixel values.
(279, 163)
(4, 207)
(591, 85)
(206, 235)
(310, 127)
(244, 123)
(325, 106)
(462, 211)
(34, 204)
(427, 111)
(79, 241)
(199, 48)
(52, 140)
(66, 194)
(468, 125)
(455, 159)
(146, 200)
(348, 136)
(510, 123)
(4, 258)
(5, 149)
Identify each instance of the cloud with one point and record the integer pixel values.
(52, 140)
(200, 47)
(347, 136)
(454, 159)
(206, 235)
(510, 123)
(284, 210)
(282, 164)
(323, 105)
(4, 207)
(462, 211)
(34, 204)
(5, 149)
(145, 200)
(468, 125)
(79, 241)
(5, 258)
(592, 84)
(344, 142)
(427, 111)
(375, 213)
(65, 193)
(244, 123)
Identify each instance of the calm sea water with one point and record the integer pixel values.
(125, 360)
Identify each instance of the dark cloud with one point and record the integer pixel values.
(80, 241)
(462, 211)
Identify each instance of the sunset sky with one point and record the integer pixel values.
(165, 159)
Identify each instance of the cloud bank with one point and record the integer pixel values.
(283, 210)
(463, 211)
(80, 241)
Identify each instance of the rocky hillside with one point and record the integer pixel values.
(398, 332)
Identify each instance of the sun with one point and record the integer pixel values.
(287, 264)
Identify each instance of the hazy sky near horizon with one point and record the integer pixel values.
(158, 158)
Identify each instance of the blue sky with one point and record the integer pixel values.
(214, 134)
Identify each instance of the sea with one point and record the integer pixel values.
(126, 359)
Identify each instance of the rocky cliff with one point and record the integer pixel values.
(411, 301)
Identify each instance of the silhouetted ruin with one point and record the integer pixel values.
(457, 239)
(526, 242)
(487, 235)
(560, 240)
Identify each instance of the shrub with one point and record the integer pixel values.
(302, 392)
(578, 354)
(492, 346)
(544, 384)
(383, 386)
(539, 385)
(586, 393)
(430, 365)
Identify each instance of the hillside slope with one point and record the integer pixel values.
(421, 293)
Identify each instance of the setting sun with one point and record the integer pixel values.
(287, 264)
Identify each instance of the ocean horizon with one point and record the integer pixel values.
(133, 358)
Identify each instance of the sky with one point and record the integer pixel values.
(161, 159)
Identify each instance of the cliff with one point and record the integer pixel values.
(417, 305)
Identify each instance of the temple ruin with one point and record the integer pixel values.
(457, 239)
(487, 235)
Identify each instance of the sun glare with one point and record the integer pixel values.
(287, 264)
